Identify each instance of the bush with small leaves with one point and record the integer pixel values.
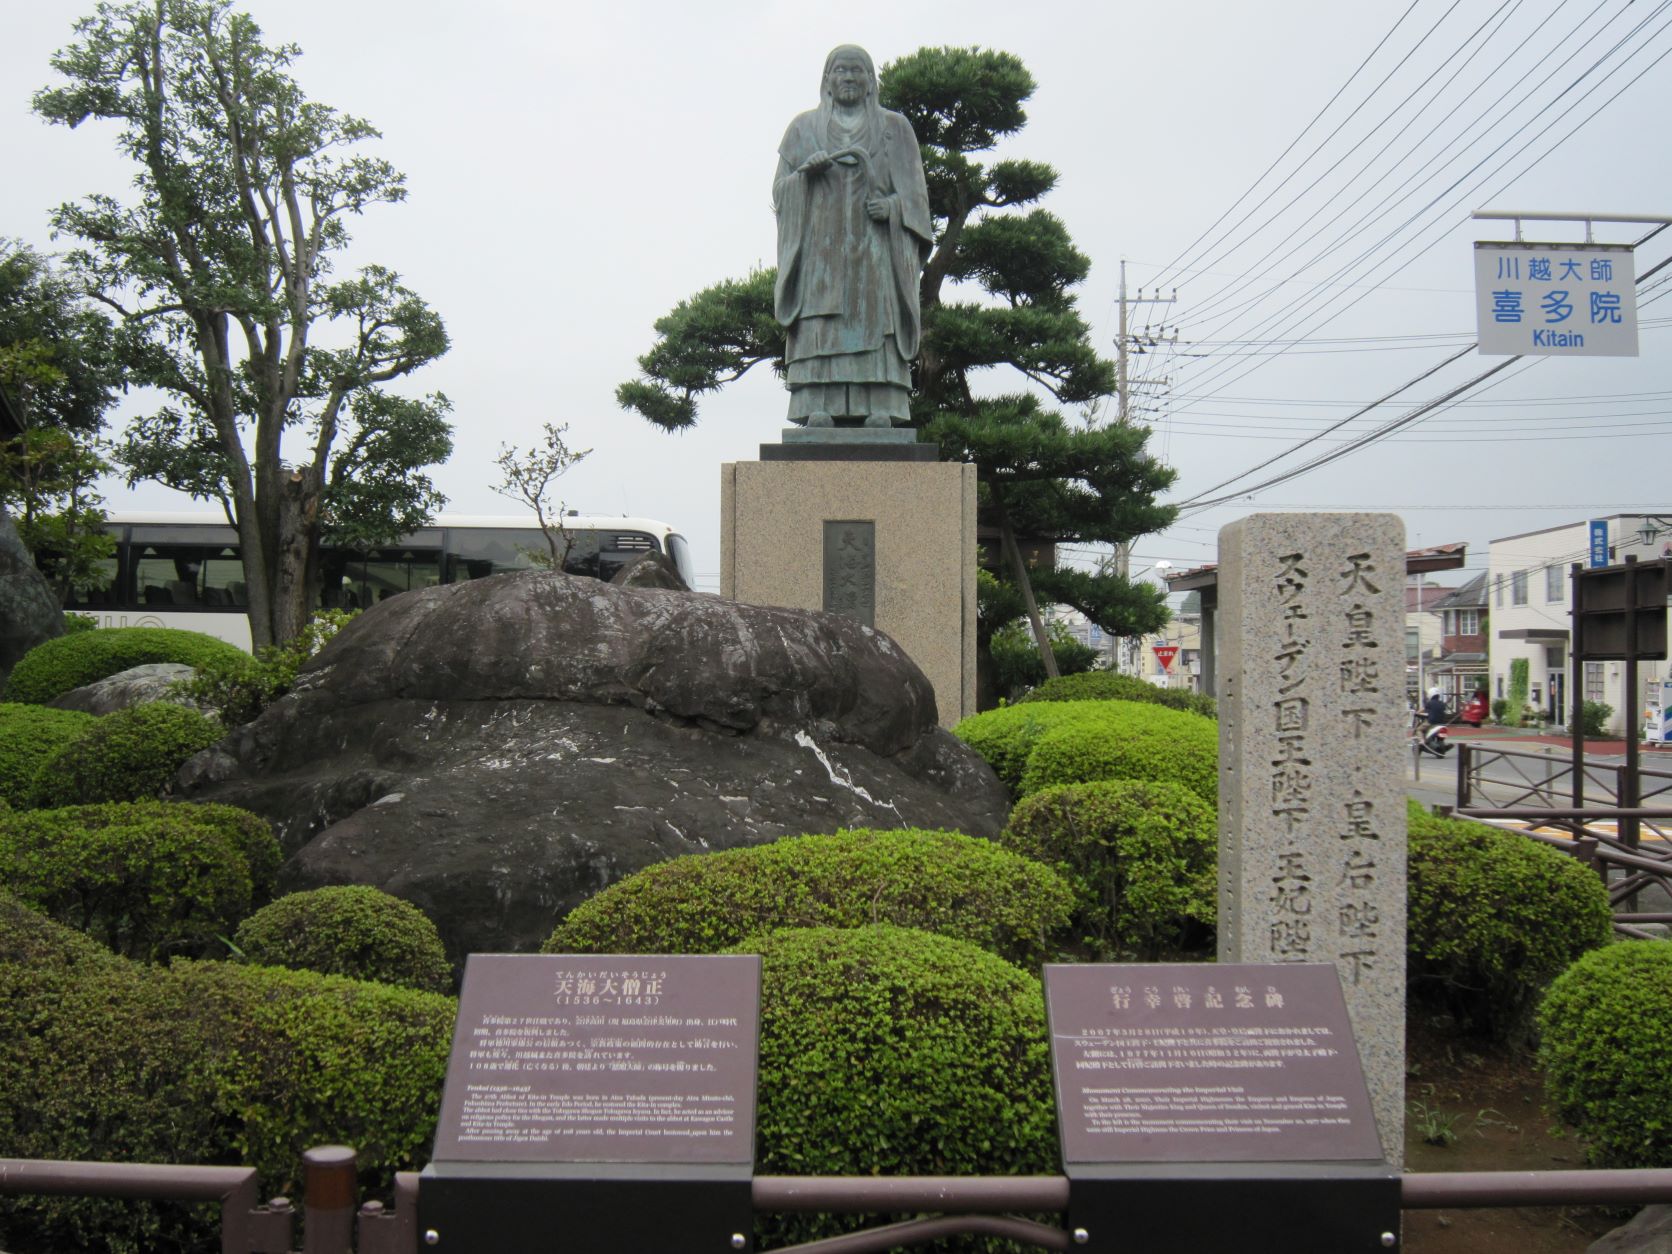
(106, 1059)
(886, 1051)
(1141, 856)
(1492, 917)
(937, 881)
(299, 1059)
(1113, 686)
(1603, 1029)
(29, 735)
(51, 669)
(348, 929)
(130, 755)
(1040, 743)
(149, 879)
(100, 1059)
(239, 687)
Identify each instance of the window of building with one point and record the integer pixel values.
(1553, 583)
(1593, 681)
(1498, 590)
(1468, 622)
(1518, 587)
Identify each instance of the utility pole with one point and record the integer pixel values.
(1124, 341)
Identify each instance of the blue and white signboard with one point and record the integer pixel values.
(1599, 543)
(1556, 300)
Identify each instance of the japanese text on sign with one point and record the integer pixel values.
(1556, 299)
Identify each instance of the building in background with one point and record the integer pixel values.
(1530, 604)
(1461, 667)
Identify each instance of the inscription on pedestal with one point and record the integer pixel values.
(562, 1059)
(1186, 1063)
(850, 570)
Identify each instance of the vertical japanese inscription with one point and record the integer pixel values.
(850, 570)
(1312, 812)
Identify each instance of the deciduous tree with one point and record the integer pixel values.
(58, 370)
(221, 269)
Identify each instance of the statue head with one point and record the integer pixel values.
(850, 78)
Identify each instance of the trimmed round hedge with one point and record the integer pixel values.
(51, 669)
(1142, 858)
(937, 881)
(150, 879)
(199, 1063)
(1038, 744)
(299, 1059)
(889, 1051)
(1491, 918)
(1113, 686)
(126, 756)
(1603, 1030)
(102, 1061)
(29, 736)
(348, 929)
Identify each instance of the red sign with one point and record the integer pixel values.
(1165, 653)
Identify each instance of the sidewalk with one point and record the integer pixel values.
(1528, 738)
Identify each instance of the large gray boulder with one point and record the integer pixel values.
(1650, 1232)
(499, 751)
(29, 613)
(153, 681)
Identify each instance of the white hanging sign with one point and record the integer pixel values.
(1556, 300)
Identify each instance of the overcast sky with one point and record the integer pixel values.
(575, 170)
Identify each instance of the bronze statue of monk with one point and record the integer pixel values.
(853, 233)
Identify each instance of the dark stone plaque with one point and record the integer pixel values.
(565, 1059)
(850, 570)
(1198, 1063)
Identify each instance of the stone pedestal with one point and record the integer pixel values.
(890, 541)
(1311, 767)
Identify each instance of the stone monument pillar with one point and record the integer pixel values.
(1311, 767)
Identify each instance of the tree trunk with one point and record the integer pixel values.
(1018, 568)
(298, 522)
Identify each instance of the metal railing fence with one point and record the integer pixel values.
(333, 1224)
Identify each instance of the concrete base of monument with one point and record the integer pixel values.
(889, 542)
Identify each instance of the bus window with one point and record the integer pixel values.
(477, 552)
(354, 581)
(103, 592)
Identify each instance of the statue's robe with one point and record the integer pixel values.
(847, 288)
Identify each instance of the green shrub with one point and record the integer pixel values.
(74, 623)
(239, 687)
(29, 735)
(1040, 743)
(1017, 664)
(101, 1058)
(1603, 1030)
(1595, 716)
(1493, 916)
(1500, 710)
(886, 1051)
(348, 929)
(148, 879)
(1113, 686)
(130, 755)
(1139, 742)
(299, 1059)
(1141, 856)
(942, 882)
(51, 669)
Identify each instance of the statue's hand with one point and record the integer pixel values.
(818, 163)
(877, 207)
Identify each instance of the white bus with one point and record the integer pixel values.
(183, 569)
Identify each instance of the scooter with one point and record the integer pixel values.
(1428, 737)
